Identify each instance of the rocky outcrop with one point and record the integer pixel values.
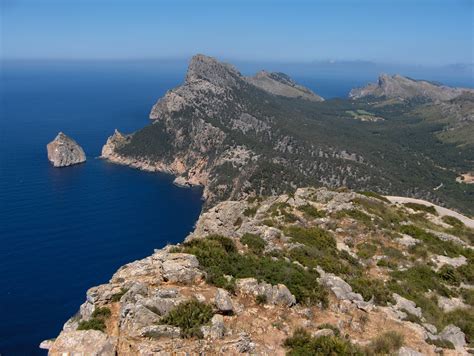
(399, 87)
(255, 315)
(63, 151)
(283, 85)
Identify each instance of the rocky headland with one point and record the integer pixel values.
(345, 272)
(63, 151)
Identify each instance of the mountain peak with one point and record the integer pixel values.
(398, 86)
(207, 68)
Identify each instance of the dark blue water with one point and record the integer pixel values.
(65, 230)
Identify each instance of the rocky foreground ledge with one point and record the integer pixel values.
(63, 151)
(319, 270)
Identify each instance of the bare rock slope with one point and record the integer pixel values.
(63, 151)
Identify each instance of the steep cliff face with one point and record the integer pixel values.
(254, 271)
(63, 151)
(399, 87)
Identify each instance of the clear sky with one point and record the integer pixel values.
(405, 31)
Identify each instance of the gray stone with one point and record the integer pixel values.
(323, 332)
(450, 304)
(158, 331)
(281, 295)
(84, 342)
(179, 267)
(406, 351)
(223, 301)
(455, 335)
(63, 151)
(408, 305)
(216, 329)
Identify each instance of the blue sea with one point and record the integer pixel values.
(65, 230)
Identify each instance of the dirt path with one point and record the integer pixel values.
(441, 211)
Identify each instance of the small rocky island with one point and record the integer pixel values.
(63, 151)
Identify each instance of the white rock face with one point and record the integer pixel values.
(63, 151)
(87, 342)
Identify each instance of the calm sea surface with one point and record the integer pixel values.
(63, 231)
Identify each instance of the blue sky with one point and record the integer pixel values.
(433, 32)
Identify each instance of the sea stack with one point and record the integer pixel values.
(63, 151)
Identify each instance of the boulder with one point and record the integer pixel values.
(223, 301)
(323, 332)
(455, 335)
(278, 294)
(450, 304)
(63, 151)
(216, 329)
(179, 267)
(84, 342)
(408, 305)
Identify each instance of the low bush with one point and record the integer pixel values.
(454, 222)
(370, 287)
(366, 250)
(254, 242)
(189, 316)
(386, 343)
(301, 343)
(374, 195)
(311, 211)
(334, 328)
(448, 274)
(468, 296)
(92, 324)
(421, 207)
(102, 312)
(117, 296)
(250, 211)
(444, 344)
(218, 256)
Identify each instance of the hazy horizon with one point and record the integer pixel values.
(427, 33)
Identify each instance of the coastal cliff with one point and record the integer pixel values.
(339, 270)
(240, 136)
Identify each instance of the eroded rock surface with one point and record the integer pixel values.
(63, 151)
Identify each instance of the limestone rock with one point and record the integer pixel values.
(223, 301)
(178, 267)
(323, 332)
(63, 151)
(450, 304)
(216, 329)
(407, 351)
(408, 305)
(281, 84)
(278, 294)
(455, 335)
(85, 342)
(157, 331)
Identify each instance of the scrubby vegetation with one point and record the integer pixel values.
(386, 343)
(422, 207)
(117, 296)
(254, 242)
(311, 212)
(97, 320)
(219, 258)
(301, 343)
(372, 288)
(189, 316)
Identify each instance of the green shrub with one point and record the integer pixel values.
(444, 344)
(334, 328)
(92, 324)
(189, 316)
(281, 209)
(320, 250)
(433, 243)
(387, 263)
(302, 344)
(421, 207)
(464, 319)
(218, 256)
(370, 287)
(451, 220)
(250, 211)
(386, 343)
(356, 215)
(311, 211)
(117, 296)
(102, 312)
(450, 275)
(366, 250)
(468, 296)
(261, 299)
(411, 317)
(254, 242)
(374, 195)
